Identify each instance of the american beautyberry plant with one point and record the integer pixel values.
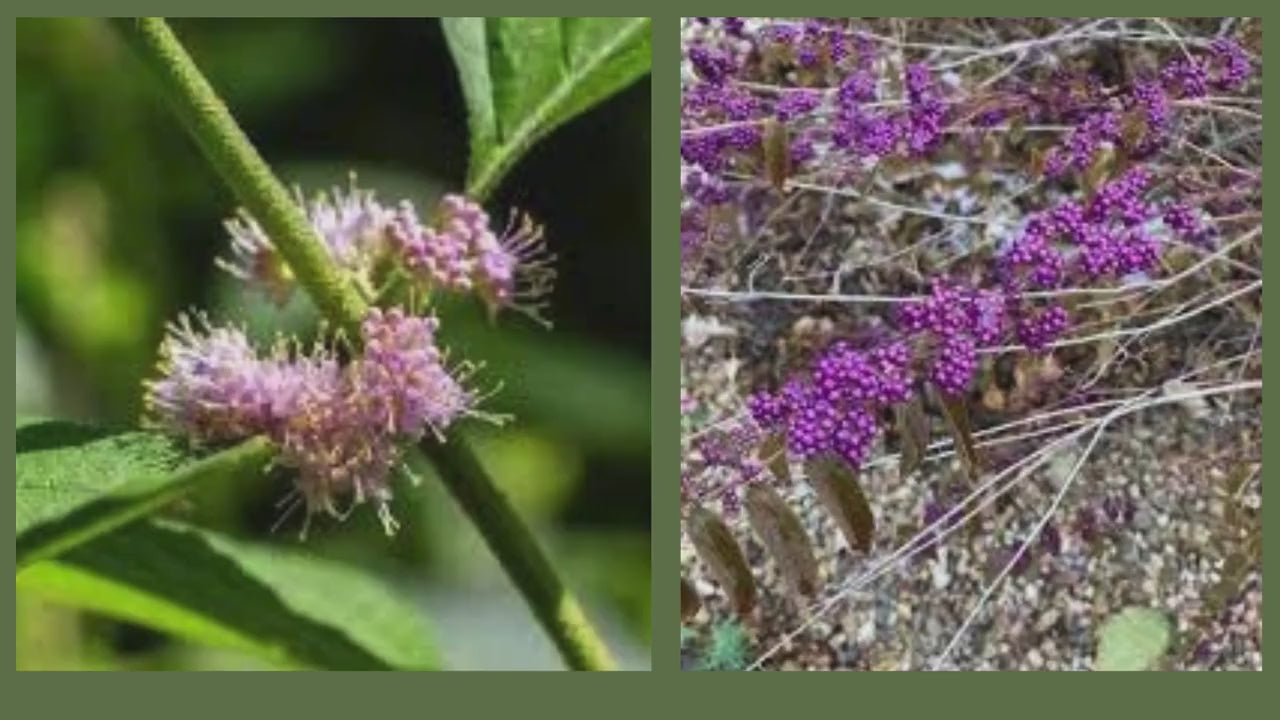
(1015, 227)
(343, 424)
(344, 415)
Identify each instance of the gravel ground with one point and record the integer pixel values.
(1155, 518)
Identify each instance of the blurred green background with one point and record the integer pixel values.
(119, 221)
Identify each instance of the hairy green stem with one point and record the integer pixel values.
(556, 608)
(231, 153)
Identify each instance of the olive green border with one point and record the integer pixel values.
(681, 694)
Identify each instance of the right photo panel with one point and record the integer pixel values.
(971, 344)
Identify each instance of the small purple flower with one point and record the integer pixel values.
(339, 426)
(336, 454)
(768, 410)
(1180, 218)
(802, 150)
(401, 379)
(738, 105)
(858, 87)
(1186, 78)
(460, 252)
(213, 387)
(781, 34)
(351, 223)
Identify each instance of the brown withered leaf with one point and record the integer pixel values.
(993, 398)
(956, 411)
(1017, 130)
(913, 433)
(777, 153)
(1097, 173)
(783, 537)
(773, 453)
(722, 225)
(689, 602)
(1049, 371)
(838, 489)
(715, 545)
(1038, 157)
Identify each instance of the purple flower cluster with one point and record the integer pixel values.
(1226, 67)
(796, 103)
(341, 426)
(1107, 238)
(1229, 65)
(214, 386)
(1182, 220)
(1082, 143)
(351, 223)
(460, 252)
(926, 111)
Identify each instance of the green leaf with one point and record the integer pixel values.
(1133, 639)
(76, 482)
(523, 77)
(280, 605)
(729, 647)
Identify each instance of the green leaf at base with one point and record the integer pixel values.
(285, 607)
(76, 482)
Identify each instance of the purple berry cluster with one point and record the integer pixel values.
(948, 326)
(732, 450)
(341, 426)
(849, 100)
(834, 409)
(1138, 117)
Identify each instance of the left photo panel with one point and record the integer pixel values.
(323, 358)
